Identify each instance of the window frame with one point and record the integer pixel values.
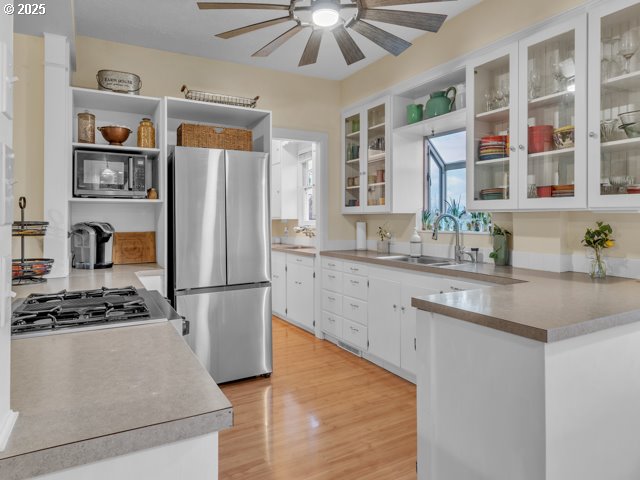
(430, 150)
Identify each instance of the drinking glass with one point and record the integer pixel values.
(629, 44)
(534, 84)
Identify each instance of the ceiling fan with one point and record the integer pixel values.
(325, 15)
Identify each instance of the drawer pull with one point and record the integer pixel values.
(354, 269)
(332, 320)
(298, 259)
(355, 282)
(276, 276)
(353, 329)
(332, 277)
(332, 299)
(456, 289)
(354, 306)
(331, 264)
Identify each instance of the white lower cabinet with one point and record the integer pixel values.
(369, 308)
(408, 358)
(384, 319)
(292, 288)
(279, 283)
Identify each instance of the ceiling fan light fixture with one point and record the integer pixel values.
(325, 13)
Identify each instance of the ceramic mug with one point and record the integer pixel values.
(414, 113)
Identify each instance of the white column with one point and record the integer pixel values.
(57, 151)
(7, 416)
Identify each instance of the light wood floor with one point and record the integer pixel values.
(324, 414)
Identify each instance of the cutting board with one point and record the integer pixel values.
(134, 247)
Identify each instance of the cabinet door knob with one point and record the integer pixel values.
(395, 306)
(512, 148)
(593, 135)
(402, 309)
(521, 147)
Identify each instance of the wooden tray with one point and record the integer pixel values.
(134, 247)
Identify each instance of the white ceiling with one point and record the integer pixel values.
(179, 26)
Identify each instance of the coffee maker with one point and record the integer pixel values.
(92, 245)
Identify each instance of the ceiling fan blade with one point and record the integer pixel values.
(390, 42)
(270, 47)
(251, 28)
(391, 3)
(240, 6)
(350, 50)
(430, 22)
(310, 54)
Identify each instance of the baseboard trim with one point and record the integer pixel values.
(6, 428)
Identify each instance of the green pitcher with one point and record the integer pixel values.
(440, 102)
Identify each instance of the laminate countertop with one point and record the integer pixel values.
(542, 306)
(294, 249)
(87, 396)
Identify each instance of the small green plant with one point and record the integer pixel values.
(498, 231)
(427, 219)
(383, 233)
(598, 239)
(500, 241)
(455, 207)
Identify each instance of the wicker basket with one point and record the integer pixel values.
(205, 136)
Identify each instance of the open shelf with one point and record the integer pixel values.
(442, 123)
(115, 200)
(564, 151)
(620, 145)
(495, 161)
(553, 99)
(496, 115)
(627, 82)
(151, 152)
(116, 102)
(213, 113)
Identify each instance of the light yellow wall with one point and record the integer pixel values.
(28, 133)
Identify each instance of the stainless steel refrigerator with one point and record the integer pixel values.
(219, 269)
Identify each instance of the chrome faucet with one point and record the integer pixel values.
(460, 252)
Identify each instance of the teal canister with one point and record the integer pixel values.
(414, 113)
(440, 102)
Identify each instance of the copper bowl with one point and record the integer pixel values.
(114, 134)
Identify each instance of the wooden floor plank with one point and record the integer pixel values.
(324, 414)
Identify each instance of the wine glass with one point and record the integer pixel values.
(534, 84)
(488, 97)
(629, 44)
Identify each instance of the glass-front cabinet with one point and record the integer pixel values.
(492, 131)
(553, 106)
(614, 105)
(365, 159)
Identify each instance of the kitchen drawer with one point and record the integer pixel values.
(331, 264)
(354, 309)
(332, 324)
(354, 286)
(354, 333)
(332, 280)
(332, 302)
(300, 260)
(355, 268)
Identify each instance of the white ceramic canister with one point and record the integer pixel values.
(361, 235)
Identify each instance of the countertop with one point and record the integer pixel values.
(86, 396)
(294, 249)
(542, 306)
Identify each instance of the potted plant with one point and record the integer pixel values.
(500, 252)
(598, 239)
(427, 219)
(384, 246)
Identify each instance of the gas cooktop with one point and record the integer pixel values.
(84, 309)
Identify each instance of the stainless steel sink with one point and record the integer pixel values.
(424, 260)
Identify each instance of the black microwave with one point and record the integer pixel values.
(109, 174)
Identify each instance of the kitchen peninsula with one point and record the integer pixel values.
(534, 380)
(126, 402)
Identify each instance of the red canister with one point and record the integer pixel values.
(540, 138)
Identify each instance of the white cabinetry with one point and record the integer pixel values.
(366, 178)
(292, 288)
(612, 91)
(300, 293)
(408, 342)
(384, 319)
(284, 180)
(279, 283)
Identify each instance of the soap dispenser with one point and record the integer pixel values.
(415, 247)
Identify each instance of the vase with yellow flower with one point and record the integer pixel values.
(598, 239)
